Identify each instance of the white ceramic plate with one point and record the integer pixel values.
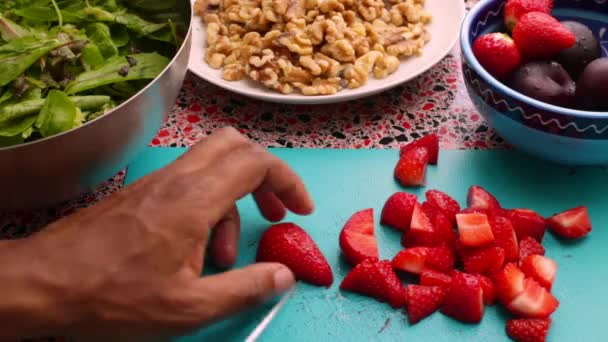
(444, 29)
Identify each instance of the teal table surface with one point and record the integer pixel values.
(345, 181)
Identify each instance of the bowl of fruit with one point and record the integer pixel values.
(537, 70)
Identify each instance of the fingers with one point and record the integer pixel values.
(228, 293)
(197, 184)
(270, 206)
(225, 239)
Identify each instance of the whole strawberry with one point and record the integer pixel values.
(497, 53)
(290, 245)
(514, 9)
(539, 35)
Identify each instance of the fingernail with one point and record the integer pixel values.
(283, 280)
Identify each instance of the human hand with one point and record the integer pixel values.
(130, 266)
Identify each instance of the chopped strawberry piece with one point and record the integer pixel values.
(528, 329)
(505, 237)
(357, 239)
(434, 278)
(375, 279)
(429, 142)
(529, 246)
(480, 198)
(541, 269)
(533, 302)
(509, 283)
(527, 223)
(464, 299)
(397, 211)
(418, 259)
(289, 244)
(410, 260)
(473, 211)
(488, 288)
(445, 231)
(446, 204)
(571, 224)
(411, 168)
(440, 259)
(422, 231)
(421, 301)
(474, 230)
(484, 260)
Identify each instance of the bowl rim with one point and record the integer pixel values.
(470, 58)
(150, 84)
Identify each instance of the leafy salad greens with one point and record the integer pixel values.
(66, 62)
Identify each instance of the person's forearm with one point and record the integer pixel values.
(31, 305)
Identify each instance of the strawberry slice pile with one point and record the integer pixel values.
(481, 255)
(463, 258)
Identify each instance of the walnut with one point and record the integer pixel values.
(325, 30)
(319, 86)
(385, 66)
(216, 60)
(327, 6)
(296, 42)
(370, 9)
(320, 65)
(341, 50)
(233, 72)
(213, 33)
(295, 9)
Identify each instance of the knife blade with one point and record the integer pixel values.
(259, 330)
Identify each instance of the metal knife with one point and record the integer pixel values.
(259, 330)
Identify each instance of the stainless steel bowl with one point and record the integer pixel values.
(49, 171)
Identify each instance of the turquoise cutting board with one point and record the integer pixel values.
(345, 181)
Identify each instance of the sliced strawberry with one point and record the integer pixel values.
(430, 142)
(571, 224)
(411, 168)
(488, 288)
(422, 231)
(528, 329)
(446, 204)
(433, 278)
(474, 230)
(480, 198)
(289, 244)
(398, 209)
(443, 232)
(509, 283)
(484, 260)
(529, 246)
(541, 269)
(473, 211)
(421, 301)
(357, 239)
(418, 259)
(464, 299)
(534, 301)
(440, 259)
(410, 260)
(375, 279)
(505, 237)
(527, 222)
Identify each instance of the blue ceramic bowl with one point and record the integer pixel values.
(553, 133)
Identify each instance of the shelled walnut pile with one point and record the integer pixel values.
(315, 47)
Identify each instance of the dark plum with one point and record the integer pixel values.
(546, 81)
(592, 86)
(585, 50)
